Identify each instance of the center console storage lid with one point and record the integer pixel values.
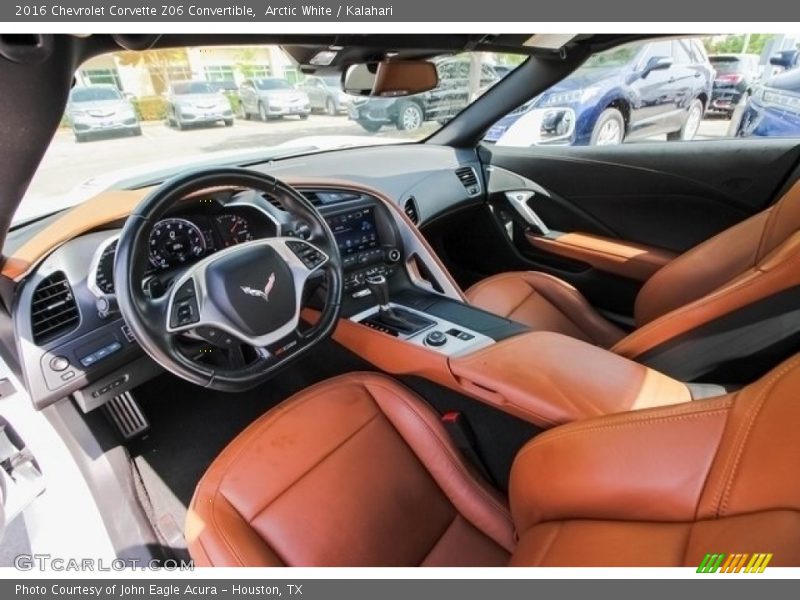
(549, 379)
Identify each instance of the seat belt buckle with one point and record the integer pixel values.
(460, 432)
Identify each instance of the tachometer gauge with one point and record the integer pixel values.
(104, 273)
(234, 229)
(174, 242)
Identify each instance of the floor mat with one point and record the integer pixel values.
(191, 425)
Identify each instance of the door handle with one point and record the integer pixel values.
(519, 200)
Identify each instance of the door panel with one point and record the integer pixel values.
(664, 196)
(668, 195)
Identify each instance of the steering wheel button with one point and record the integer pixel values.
(184, 313)
(186, 291)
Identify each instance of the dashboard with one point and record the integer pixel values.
(87, 351)
(77, 340)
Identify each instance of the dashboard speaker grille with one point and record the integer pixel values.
(411, 210)
(53, 308)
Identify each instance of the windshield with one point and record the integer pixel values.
(273, 84)
(93, 94)
(193, 87)
(229, 121)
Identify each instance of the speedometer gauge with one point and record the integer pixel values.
(234, 229)
(175, 241)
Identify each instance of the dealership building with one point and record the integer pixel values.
(150, 73)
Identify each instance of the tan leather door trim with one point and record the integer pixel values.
(626, 259)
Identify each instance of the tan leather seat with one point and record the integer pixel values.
(358, 471)
(355, 471)
(752, 261)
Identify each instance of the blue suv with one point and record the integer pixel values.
(773, 110)
(630, 92)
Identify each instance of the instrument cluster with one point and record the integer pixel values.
(182, 240)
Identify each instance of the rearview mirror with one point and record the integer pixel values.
(657, 63)
(390, 78)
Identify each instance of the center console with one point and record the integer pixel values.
(381, 295)
(406, 326)
(400, 309)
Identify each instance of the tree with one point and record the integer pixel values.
(159, 64)
(247, 62)
(734, 44)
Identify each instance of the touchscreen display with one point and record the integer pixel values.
(355, 231)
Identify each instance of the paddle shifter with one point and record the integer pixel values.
(394, 319)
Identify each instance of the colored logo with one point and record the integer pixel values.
(258, 293)
(734, 563)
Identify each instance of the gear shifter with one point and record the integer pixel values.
(379, 288)
(397, 320)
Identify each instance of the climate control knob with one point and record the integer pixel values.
(436, 338)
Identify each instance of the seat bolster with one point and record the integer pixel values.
(544, 303)
(422, 430)
(777, 273)
(218, 535)
(701, 270)
(649, 465)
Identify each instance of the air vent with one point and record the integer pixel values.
(313, 197)
(53, 309)
(274, 201)
(469, 179)
(411, 210)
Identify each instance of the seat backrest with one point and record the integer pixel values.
(748, 266)
(718, 262)
(678, 482)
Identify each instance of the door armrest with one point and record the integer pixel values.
(626, 259)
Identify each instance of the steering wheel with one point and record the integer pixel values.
(248, 295)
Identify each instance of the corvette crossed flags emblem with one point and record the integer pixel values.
(261, 293)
